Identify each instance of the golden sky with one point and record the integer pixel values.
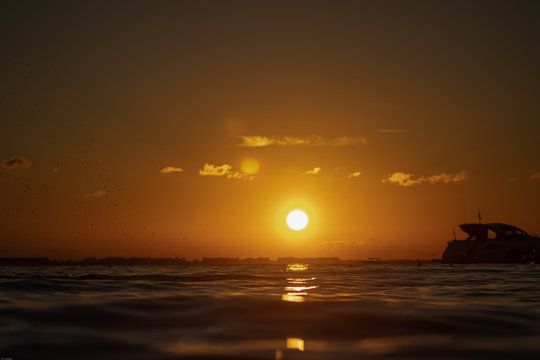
(192, 128)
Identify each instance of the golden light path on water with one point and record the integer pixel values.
(296, 292)
(296, 289)
(297, 267)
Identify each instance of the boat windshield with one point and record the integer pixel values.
(511, 234)
(482, 232)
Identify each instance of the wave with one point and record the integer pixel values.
(376, 312)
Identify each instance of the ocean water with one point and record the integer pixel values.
(374, 311)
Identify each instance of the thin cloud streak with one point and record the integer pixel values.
(95, 194)
(404, 179)
(535, 176)
(170, 169)
(392, 131)
(15, 162)
(313, 140)
(446, 178)
(313, 171)
(354, 174)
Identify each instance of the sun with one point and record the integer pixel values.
(297, 220)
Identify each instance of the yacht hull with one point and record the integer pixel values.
(509, 245)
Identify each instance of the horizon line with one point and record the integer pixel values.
(116, 260)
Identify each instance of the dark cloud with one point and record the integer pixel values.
(535, 176)
(17, 161)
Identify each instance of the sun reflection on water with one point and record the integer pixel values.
(296, 289)
(297, 267)
(290, 344)
(291, 297)
(295, 343)
(300, 288)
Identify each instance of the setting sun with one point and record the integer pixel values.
(297, 220)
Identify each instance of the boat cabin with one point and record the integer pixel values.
(492, 231)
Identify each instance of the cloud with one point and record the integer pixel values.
(336, 243)
(15, 162)
(392, 131)
(55, 170)
(354, 174)
(535, 176)
(404, 179)
(341, 243)
(223, 170)
(313, 140)
(344, 141)
(95, 194)
(213, 170)
(170, 169)
(313, 171)
(446, 178)
(239, 175)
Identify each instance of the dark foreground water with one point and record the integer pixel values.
(271, 312)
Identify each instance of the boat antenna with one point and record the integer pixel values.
(479, 217)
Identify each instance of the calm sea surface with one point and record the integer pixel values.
(373, 311)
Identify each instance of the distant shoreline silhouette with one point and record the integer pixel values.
(119, 261)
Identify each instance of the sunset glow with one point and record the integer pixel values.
(315, 179)
(195, 130)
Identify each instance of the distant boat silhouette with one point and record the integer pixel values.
(493, 243)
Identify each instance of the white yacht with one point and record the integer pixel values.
(493, 243)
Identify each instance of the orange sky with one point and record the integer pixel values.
(389, 123)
